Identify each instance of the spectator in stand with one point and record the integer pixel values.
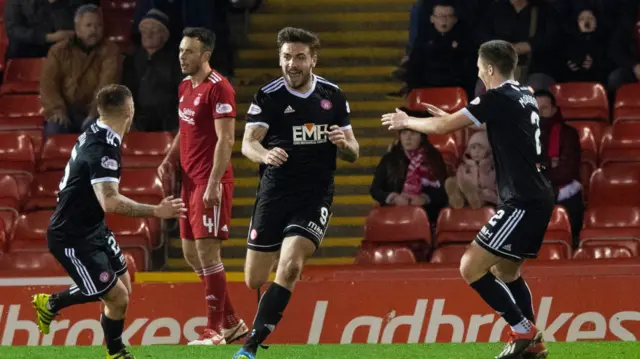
(411, 173)
(442, 54)
(625, 49)
(561, 159)
(475, 181)
(585, 57)
(34, 25)
(533, 27)
(74, 71)
(152, 73)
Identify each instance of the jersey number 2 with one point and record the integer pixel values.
(65, 178)
(535, 120)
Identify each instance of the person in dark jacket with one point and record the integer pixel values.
(152, 73)
(411, 173)
(442, 54)
(585, 58)
(561, 159)
(624, 49)
(33, 26)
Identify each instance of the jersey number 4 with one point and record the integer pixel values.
(535, 120)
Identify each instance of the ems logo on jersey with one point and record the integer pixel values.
(196, 102)
(310, 134)
(223, 108)
(254, 109)
(109, 163)
(326, 104)
(475, 101)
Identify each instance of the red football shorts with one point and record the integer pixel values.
(205, 222)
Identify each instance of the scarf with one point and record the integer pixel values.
(415, 172)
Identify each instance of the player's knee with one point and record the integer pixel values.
(468, 270)
(291, 271)
(208, 252)
(117, 300)
(504, 275)
(192, 259)
(253, 282)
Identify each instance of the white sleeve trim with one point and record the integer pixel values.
(105, 179)
(261, 124)
(347, 127)
(471, 116)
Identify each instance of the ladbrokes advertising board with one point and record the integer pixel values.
(366, 309)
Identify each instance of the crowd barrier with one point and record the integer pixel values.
(416, 304)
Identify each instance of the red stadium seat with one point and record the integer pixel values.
(586, 170)
(16, 153)
(633, 245)
(461, 225)
(8, 217)
(559, 228)
(407, 225)
(449, 148)
(627, 104)
(582, 101)
(34, 261)
(57, 151)
(9, 193)
(590, 133)
(144, 185)
(30, 232)
(554, 251)
(118, 27)
(448, 254)
(22, 76)
(624, 143)
(20, 106)
(602, 252)
(44, 190)
(145, 149)
(615, 186)
(132, 234)
(3, 44)
(450, 99)
(611, 222)
(385, 255)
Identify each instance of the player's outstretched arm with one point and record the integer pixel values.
(441, 124)
(113, 202)
(345, 140)
(252, 147)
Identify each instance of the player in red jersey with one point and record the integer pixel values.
(207, 113)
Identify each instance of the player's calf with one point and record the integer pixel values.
(116, 302)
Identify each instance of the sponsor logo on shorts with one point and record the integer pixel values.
(315, 228)
(254, 109)
(310, 134)
(326, 104)
(109, 163)
(104, 277)
(485, 232)
(223, 108)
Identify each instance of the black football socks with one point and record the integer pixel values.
(112, 333)
(67, 298)
(270, 309)
(522, 294)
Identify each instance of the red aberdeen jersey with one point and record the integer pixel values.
(199, 106)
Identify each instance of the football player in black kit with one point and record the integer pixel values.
(78, 236)
(492, 262)
(297, 125)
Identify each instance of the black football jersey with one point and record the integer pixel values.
(510, 112)
(95, 158)
(299, 124)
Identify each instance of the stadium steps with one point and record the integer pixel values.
(362, 42)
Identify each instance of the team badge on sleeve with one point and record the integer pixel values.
(254, 109)
(223, 108)
(109, 163)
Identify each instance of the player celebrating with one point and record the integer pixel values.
(77, 235)
(296, 126)
(492, 263)
(207, 113)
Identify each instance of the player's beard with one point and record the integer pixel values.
(300, 81)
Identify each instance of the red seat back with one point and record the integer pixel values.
(142, 184)
(9, 192)
(44, 190)
(633, 245)
(33, 261)
(614, 186)
(627, 104)
(602, 252)
(559, 228)
(461, 225)
(385, 255)
(57, 152)
(16, 152)
(449, 99)
(448, 254)
(31, 231)
(624, 143)
(590, 133)
(582, 101)
(18, 106)
(22, 76)
(554, 251)
(397, 224)
(145, 149)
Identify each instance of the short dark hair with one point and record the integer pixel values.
(112, 97)
(547, 94)
(500, 54)
(292, 34)
(87, 9)
(205, 36)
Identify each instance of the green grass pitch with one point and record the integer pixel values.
(581, 350)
